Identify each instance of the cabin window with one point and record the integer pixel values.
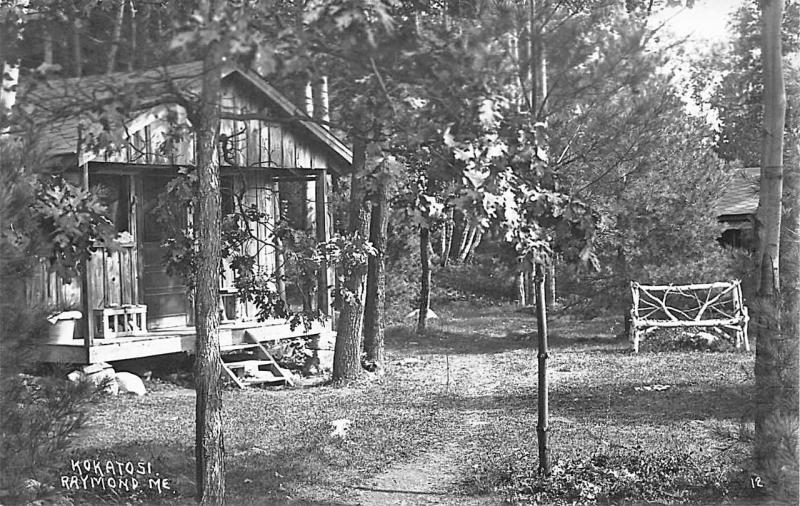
(114, 193)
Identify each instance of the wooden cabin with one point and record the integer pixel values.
(737, 207)
(278, 159)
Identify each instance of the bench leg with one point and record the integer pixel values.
(637, 334)
(744, 336)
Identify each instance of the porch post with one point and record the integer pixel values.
(86, 283)
(321, 228)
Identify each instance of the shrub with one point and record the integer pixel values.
(38, 415)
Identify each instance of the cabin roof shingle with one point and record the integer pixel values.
(740, 197)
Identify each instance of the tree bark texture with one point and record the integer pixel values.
(771, 350)
(425, 279)
(209, 447)
(347, 352)
(375, 306)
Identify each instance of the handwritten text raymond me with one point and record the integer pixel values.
(113, 475)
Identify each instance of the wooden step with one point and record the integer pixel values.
(244, 363)
(237, 347)
(263, 378)
(235, 368)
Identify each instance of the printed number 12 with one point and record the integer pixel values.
(755, 482)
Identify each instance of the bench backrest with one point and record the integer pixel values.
(690, 303)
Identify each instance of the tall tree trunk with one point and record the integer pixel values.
(538, 111)
(790, 271)
(320, 102)
(530, 288)
(447, 235)
(159, 31)
(472, 247)
(133, 43)
(425, 280)
(116, 35)
(521, 286)
(463, 251)
(145, 40)
(771, 347)
(209, 447)
(77, 50)
(464, 237)
(347, 352)
(47, 57)
(375, 308)
(543, 408)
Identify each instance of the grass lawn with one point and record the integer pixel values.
(467, 391)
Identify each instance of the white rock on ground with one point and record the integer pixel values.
(130, 383)
(707, 337)
(98, 374)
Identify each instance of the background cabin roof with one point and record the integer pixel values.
(60, 105)
(740, 197)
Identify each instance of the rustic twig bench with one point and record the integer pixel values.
(717, 305)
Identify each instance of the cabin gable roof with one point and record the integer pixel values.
(62, 106)
(740, 198)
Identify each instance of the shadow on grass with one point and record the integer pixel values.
(403, 340)
(271, 478)
(620, 404)
(470, 330)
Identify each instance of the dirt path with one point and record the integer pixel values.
(427, 479)
(433, 476)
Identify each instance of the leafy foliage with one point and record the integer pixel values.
(728, 81)
(73, 222)
(303, 255)
(46, 218)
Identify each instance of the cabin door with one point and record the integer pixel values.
(165, 296)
